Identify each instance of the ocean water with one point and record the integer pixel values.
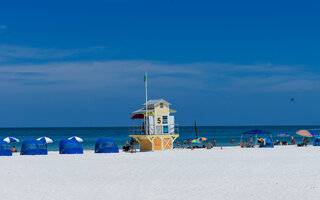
(222, 135)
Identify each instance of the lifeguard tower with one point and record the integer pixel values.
(157, 131)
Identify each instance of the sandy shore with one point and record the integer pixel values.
(231, 173)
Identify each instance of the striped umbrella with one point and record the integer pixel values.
(46, 139)
(195, 141)
(201, 139)
(10, 139)
(79, 139)
(304, 133)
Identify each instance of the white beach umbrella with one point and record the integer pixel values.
(79, 139)
(10, 139)
(46, 139)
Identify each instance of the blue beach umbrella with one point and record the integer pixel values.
(46, 140)
(79, 139)
(10, 139)
(315, 134)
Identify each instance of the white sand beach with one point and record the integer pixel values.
(232, 173)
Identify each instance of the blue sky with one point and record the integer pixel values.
(81, 63)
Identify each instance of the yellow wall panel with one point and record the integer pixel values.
(157, 144)
(145, 145)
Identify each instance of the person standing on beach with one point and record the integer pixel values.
(184, 143)
(232, 141)
(214, 142)
(293, 140)
(178, 144)
(251, 141)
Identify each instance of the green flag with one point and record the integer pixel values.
(145, 78)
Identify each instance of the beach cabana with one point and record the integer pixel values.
(5, 149)
(33, 147)
(316, 141)
(71, 146)
(257, 134)
(266, 143)
(106, 146)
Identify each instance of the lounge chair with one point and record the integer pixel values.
(302, 144)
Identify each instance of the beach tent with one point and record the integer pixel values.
(5, 149)
(267, 143)
(33, 147)
(106, 146)
(316, 141)
(71, 146)
(256, 133)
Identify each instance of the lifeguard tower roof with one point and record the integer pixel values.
(151, 105)
(156, 101)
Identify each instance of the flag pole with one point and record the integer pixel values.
(146, 81)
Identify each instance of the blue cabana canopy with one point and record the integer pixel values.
(10, 139)
(5, 149)
(71, 146)
(315, 134)
(316, 141)
(33, 147)
(106, 146)
(256, 132)
(268, 143)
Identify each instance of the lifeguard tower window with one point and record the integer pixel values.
(161, 105)
(165, 119)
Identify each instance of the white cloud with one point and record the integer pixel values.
(127, 76)
(3, 27)
(17, 53)
(14, 52)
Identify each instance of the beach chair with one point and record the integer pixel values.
(133, 148)
(302, 144)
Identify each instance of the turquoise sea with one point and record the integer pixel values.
(222, 135)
